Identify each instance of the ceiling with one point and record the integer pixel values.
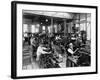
(51, 14)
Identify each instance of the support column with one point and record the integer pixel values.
(51, 25)
(65, 27)
(86, 24)
(79, 23)
(29, 28)
(40, 28)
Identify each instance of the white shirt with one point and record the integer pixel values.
(32, 41)
(70, 51)
(40, 51)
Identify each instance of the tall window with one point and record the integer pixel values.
(33, 28)
(25, 28)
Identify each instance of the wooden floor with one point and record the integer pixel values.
(30, 63)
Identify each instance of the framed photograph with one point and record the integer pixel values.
(53, 39)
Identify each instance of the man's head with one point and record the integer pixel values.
(71, 45)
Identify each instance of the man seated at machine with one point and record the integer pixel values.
(70, 49)
(41, 50)
(71, 54)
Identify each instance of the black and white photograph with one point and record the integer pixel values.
(54, 39)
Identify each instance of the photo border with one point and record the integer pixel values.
(14, 38)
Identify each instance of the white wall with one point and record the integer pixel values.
(5, 41)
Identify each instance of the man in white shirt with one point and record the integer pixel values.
(70, 49)
(40, 50)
